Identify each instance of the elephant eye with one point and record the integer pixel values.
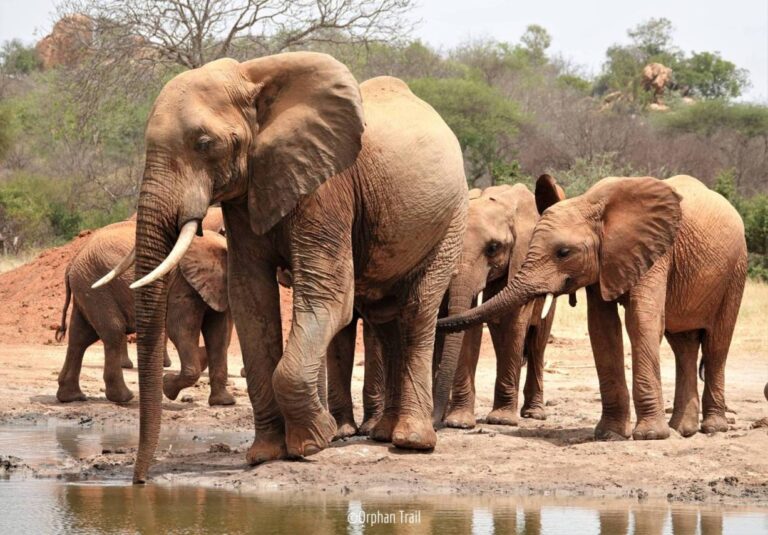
(492, 248)
(563, 252)
(203, 144)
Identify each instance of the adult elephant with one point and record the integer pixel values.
(198, 303)
(500, 222)
(673, 253)
(366, 213)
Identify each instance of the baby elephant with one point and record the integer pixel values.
(500, 222)
(197, 302)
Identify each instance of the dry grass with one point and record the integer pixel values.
(10, 262)
(750, 336)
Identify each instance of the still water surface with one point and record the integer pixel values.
(41, 506)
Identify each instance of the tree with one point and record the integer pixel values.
(708, 76)
(536, 41)
(16, 58)
(653, 37)
(191, 33)
(484, 121)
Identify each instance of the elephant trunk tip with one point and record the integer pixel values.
(454, 324)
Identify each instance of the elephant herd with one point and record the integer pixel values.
(355, 195)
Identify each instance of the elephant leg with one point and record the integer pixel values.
(608, 350)
(323, 297)
(217, 332)
(115, 353)
(373, 382)
(340, 360)
(184, 323)
(412, 343)
(508, 338)
(535, 345)
(645, 326)
(715, 346)
(462, 409)
(685, 416)
(81, 336)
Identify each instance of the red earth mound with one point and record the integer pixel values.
(32, 296)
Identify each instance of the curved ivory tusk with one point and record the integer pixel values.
(480, 298)
(547, 305)
(118, 270)
(186, 236)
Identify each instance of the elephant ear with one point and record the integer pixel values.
(204, 267)
(521, 217)
(548, 192)
(309, 127)
(640, 219)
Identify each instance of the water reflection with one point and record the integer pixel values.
(42, 506)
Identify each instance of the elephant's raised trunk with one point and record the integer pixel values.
(155, 237)
(515, 294)
(460, 296)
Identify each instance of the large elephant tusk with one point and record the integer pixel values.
(118, 270)
(547, 305)
(186, 236)
(480, 298)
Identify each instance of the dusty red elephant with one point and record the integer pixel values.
(673, 253)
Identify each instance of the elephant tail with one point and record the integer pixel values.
(61, 330)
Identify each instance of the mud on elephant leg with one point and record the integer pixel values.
(461, 413)
(115, 352)
(608, 350)
(81, 336)
(340, 361)
(217, 332)
(374, 382)
(685, 416)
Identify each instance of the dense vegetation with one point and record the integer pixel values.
(71, 137)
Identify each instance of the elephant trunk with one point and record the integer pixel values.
(460, 295)
(515, 294)
(155, 237)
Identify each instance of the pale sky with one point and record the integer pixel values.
(581, 29)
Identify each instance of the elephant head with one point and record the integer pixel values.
(500, 223)
(610, 236)
(204, 267)
(264, 133)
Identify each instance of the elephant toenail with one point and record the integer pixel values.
(414, 438)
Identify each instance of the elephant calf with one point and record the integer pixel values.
(197, 302)
(673, 253)
(500, 221)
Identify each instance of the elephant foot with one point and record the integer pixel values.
(609, 429)
(266, 447)
(303, 440)
(67, 395)
(171, 387)
(414, 433)
(221, 397)
(119, 394)
(651, 429)
(367, 426)
(686, 424)
(126, 363)
(166, 361)
(534, 411)
(460, 418)
(345, 430)
(714, 423)
(382, 430)
(502, 417)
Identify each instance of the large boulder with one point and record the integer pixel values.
(67, 42)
